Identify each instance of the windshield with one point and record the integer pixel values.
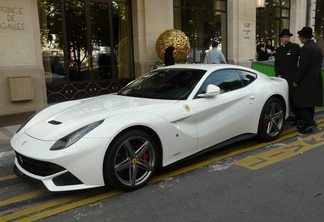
(174, 84)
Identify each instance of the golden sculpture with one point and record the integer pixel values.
(178, 40)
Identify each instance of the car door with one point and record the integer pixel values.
(226, 115)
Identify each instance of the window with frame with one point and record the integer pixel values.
(87, 47)
(271, 19)
(227, 80)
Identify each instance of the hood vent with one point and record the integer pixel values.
(54, 122)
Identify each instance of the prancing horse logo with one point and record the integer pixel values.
(187, 107)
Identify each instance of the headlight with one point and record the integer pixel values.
(74, 137)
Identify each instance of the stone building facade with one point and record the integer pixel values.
(30, 42)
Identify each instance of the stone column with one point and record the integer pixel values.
(241, 31)
(150, 19)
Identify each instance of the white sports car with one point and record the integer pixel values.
(164, 116)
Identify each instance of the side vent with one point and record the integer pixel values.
(21, 88)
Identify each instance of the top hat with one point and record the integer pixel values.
(306, 32)
(285, 32)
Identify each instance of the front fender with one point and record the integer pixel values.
(178, 138)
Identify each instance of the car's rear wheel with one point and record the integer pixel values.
(271, 120)
(131, 160)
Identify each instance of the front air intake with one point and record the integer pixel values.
(37, 167)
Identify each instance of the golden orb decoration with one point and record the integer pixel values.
(178, 40)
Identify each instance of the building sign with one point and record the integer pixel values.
(11, 18)
(246, 31)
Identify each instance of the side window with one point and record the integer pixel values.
(247, 77)
(226, 80)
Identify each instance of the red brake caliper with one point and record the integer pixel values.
(145, 157)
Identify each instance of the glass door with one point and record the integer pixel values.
(90, 49)
(91, 52)
(78, 55)
(111, 46)
(103, 55)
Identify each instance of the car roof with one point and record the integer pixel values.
(206, 67)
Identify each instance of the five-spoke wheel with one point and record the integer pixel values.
(131, 160)
(271, 120)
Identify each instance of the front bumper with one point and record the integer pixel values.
(77, 167)
(44, 170)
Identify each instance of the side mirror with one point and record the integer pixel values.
(211, 91)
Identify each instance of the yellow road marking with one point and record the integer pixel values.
(38, 208)
(283, 152)
(7, 177)
(69, 206)
(23, 197)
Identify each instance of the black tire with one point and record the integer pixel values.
(131, 160)
(271, 120)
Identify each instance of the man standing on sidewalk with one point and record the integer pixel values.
(308, 83)
(286, 62)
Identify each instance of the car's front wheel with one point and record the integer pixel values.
(271, 120)
(131, 160)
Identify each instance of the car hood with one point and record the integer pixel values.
(61, 119)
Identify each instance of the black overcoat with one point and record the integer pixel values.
(286, 63)
(309, 92)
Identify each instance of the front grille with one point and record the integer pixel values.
(40, 168)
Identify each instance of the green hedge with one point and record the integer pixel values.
(266, 68)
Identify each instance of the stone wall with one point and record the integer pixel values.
(20, 58)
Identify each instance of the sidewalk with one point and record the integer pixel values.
(6, 133)
(13, 119)
(9, 124)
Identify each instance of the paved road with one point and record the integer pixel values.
(287, 190)
(246, 182)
